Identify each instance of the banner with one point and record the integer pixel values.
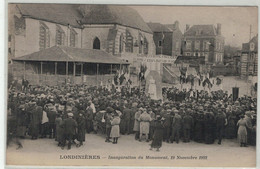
(155, 58)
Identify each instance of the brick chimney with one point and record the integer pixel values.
(218, 29)
(187, 27)
(176, 25)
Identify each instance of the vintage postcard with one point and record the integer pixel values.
(129, 85)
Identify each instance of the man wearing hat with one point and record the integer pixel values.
(187, 125)
(221, 121)
(176, 127)
(167, 125)
(70, 127)
(36, 119)
(145, 119)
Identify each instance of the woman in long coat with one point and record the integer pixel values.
(145, 119)
(137, 124)
(158, 134)
(242, 133)
(230, 130)
(81, 129)
(115, 131)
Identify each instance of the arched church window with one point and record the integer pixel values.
(129, 42)
(96, 43)
(60, 36)
(121, 43)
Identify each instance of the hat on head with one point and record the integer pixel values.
(70, 114)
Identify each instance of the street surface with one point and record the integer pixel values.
(46, 152)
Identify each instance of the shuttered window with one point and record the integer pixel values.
(129, 42)
(141, 41)
(44, 40)
(73, 37)
(60, 36)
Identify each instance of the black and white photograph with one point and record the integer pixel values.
(131, 85)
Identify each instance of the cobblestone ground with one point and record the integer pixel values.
(46, 152)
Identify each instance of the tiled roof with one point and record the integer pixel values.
(86, 14)
(157, 27)
(246, 46)
(201, 30)
(70, 54)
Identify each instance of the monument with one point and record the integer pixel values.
(153, 86)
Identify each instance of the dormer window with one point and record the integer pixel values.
(252, 46)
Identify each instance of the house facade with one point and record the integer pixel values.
(117, 30)
(249, 57)
(204, 40)
(167, 38)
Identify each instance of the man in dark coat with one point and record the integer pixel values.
(187, 126)
(167, 125)
(89, 118)
(127, 117)
(51, 114)
(81, 128)
(209, 128)
(176, 127)
(36, 118)
(221, 121)
(70, 127)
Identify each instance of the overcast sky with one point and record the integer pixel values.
(235, 21)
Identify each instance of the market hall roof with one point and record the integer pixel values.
(78, 15)
(71, 54)
(201, 30)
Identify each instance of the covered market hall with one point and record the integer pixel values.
(61, 64)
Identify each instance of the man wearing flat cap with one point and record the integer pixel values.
(70, 129)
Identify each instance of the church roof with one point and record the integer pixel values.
(113, 14)
(58, 13)
(70, 54)
(77, 14)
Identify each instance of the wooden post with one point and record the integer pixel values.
(67, 70)
(41, 68)
(74, 72)
(24, 69)
(81, 73)
(74, 69)
(55, 68)
(97, 72)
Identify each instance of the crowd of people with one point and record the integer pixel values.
(66, 113)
